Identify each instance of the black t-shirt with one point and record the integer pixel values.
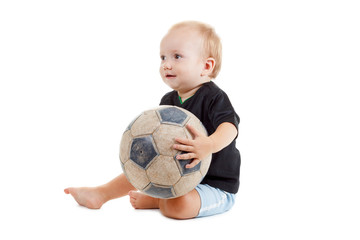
(212, 106)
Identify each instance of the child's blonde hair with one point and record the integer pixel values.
(212, 42)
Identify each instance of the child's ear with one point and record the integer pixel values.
(209, 66)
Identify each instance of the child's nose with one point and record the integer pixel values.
(166, 65)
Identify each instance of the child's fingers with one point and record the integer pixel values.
(184, 141)
(193, 130)
(186, 156)
(193, 163)
(184, 148)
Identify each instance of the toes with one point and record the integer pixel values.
(70, 190)
(133, 194)
(133, 202)
(132, 198)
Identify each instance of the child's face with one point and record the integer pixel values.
(182, 63)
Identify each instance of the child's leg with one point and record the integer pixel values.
(95, 197)
(183, 207)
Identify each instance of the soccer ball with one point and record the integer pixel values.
(147, 156)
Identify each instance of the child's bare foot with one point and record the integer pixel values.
(141, 201)
(88, 197)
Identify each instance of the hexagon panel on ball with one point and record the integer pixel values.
(187, 183)
(145, 124)
(125, 146)
(164, 138)
(136, 175)
(163, 171)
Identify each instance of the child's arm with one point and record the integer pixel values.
(202, 146)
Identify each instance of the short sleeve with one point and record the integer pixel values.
(221, 110)
(167, 99)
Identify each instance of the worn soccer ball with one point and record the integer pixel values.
(147, 156)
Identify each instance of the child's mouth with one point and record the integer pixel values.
(170, 76)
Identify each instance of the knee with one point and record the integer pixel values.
(178, 208)
(173, 208)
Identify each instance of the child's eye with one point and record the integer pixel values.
(162, 58)
(177, 56)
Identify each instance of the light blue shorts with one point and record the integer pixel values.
(214, 200)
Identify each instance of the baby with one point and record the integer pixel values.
(190, 58)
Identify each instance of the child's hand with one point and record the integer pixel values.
(198, 148)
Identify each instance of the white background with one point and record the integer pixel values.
(73, 74)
